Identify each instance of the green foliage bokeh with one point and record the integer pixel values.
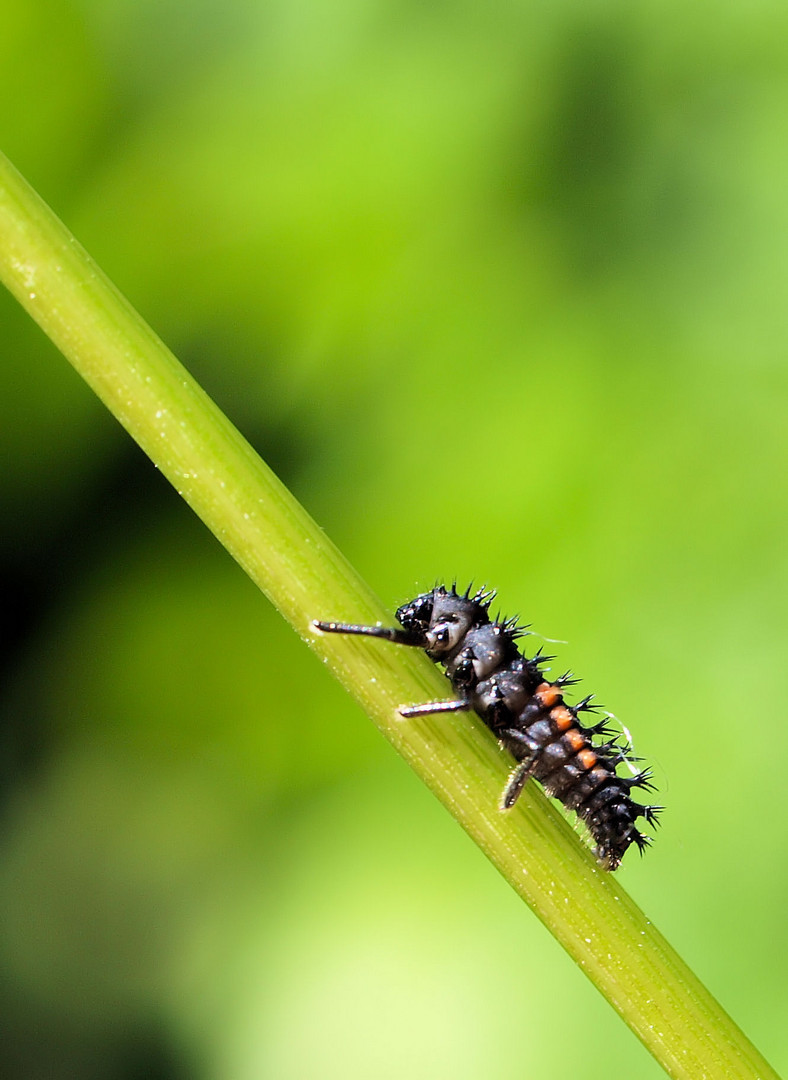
(498, 292)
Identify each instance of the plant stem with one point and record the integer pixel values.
(300, 570)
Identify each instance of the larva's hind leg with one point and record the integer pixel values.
(519, 777)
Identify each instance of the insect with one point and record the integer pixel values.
(525, 711)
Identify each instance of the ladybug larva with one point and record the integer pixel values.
(525, 711)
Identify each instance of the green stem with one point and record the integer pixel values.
(299, 569)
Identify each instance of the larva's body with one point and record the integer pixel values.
(526, 713)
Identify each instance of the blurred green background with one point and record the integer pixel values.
(499, 291)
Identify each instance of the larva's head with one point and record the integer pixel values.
(441, 618)
(415, 616)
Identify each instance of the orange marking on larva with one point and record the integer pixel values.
(587, 758)
(548, 694)
(575, 740)
(561, 717)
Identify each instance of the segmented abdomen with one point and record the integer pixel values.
(582, 776)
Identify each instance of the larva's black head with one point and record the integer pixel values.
(415, 616)
(441, 618)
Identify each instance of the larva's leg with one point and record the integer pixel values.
(431, 707)
(520, 776)
(398, 636)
